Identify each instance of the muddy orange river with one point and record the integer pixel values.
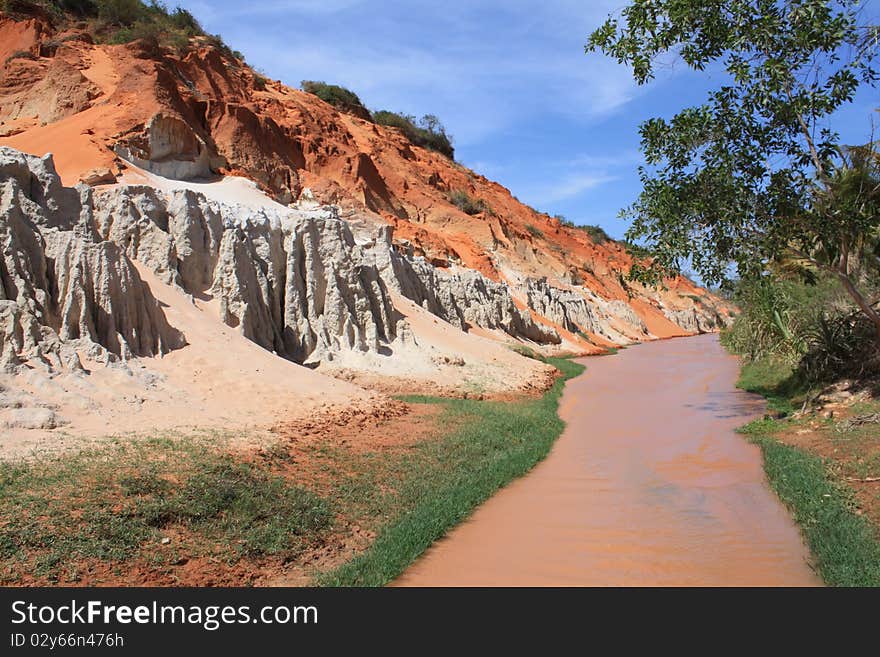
(649, 485)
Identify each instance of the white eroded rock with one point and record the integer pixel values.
(462, 297)
(63, 287)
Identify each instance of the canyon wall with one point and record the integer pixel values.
(107, 111)
(293, 281)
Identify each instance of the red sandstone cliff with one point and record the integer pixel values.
(98, 108)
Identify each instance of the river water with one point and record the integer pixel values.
(649, 485)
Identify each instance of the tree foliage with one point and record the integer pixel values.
(755, 174)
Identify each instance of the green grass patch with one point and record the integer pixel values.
(116, 503)
(842, 542)
(776, 381)
(488, 445)
(152, 504)
(763, 427)
(528, 352)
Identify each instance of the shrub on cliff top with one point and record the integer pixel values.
(534, 231)
(123, 21)
(596, 233)
(186, 22)
(426, 132)
(467, 203)
(153, 16)
(339, 97)
(122, 12)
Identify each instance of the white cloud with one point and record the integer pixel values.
(281, 8)
(629, 158)
(509, 79)
(553, 181)
(573, 186)
(482, 67)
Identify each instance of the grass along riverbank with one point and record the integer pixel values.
(826, 470)
(488, 445)
(352, 506)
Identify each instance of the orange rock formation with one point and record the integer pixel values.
(100, 108)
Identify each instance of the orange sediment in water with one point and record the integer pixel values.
(648, 486)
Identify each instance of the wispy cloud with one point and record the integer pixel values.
(573, 186)
(566, 178)
(509, 79)
(281, 8)
(483, 67)
(626, 158)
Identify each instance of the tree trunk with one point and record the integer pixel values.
(864, 305)
(842, 274)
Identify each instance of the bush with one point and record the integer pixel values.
(596, 233)
(810, 326)
(426, 132)
(534, 231)
(21, 54)
(260, 82)
(122, 12)
(79, 7)
(841, 346)
(468, 204)
(777, 315)
(141, 30)
(185, 22)
(20, 7)
(123, 21)
(339, 97)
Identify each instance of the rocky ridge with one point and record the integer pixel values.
(63, 287)
(202, 112)
(293, 281)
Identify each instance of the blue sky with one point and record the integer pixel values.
(509, 79)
